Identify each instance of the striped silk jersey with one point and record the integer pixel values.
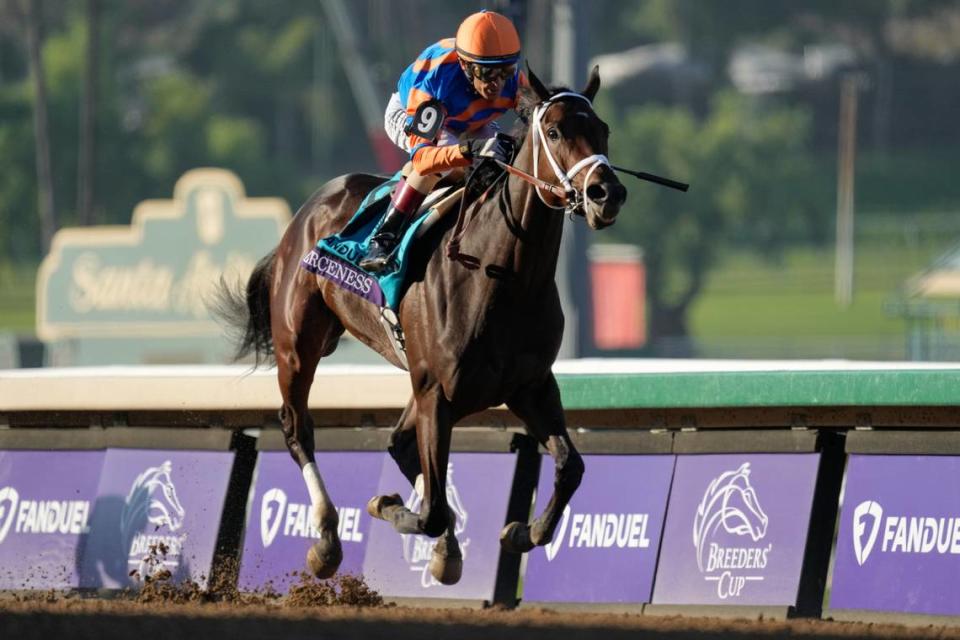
(436, 74)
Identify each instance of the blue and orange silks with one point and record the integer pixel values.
(436, 75)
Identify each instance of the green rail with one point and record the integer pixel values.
(906, 387)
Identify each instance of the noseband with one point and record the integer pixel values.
(574, 198)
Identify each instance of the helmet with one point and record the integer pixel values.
(488, 38)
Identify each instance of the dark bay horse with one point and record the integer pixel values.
(475, 337)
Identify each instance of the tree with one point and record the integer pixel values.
(86, 166)
(33, 16)
(744, 161)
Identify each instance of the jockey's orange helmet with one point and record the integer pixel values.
(488, 38)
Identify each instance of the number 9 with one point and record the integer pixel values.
(428, 118)
(427, 121)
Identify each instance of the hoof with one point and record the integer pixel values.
(324, 557)
(515, 538)
(446, 571)
(377, 504)
(446, 563)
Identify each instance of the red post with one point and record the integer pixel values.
(619, 296)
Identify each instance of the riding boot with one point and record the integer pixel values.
(403, 205)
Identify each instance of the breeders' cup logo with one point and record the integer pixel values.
(863, 541)
(599, 531)
(8, 507)
(730, 508)
(417, 549)
(153, 500)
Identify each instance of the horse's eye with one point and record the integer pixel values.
(553, 134)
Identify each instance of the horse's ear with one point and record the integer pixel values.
(593, 84)
(542, 92)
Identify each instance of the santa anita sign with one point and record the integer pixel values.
(134, 294)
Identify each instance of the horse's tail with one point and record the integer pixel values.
(247, 314)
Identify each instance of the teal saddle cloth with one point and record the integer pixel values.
(337, 257)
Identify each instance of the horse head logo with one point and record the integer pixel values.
(152, 497)
(730, 501)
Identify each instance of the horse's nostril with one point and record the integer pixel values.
(597, 193)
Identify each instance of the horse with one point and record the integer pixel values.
(475, 338)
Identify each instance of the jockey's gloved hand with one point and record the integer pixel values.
(485, 148)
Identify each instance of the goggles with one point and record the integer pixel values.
(486, 73)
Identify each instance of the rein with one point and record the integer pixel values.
(535, 181)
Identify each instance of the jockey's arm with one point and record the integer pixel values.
(429, 158)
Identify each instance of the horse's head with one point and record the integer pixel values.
(569, 147)
(743, 514)
(731, 502)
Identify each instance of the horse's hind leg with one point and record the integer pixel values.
(542, 413)
(446, 562)
(307, 332)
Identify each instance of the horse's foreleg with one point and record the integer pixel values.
(542, 413)
(432, 434)
(446, 563)
(297, 360)
(403, 450)
(434, 426)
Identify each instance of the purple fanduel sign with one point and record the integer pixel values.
(736, 529)
(278, 532)
(605, 547)
(46, 498)
(898, 546)
(478, 491)
(155, 510)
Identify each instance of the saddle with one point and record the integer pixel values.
(337, 257)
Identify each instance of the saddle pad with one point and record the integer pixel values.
(336, 257)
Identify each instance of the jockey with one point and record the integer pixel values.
(443, 113)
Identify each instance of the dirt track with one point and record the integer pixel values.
(345, 607)
(98, 619)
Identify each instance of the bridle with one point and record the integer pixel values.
(574, 199)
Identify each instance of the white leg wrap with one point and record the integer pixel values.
(418, 485)
(319, 499)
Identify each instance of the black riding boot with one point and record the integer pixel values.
(385, 241)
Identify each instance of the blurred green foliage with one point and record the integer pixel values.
(745, 165)
(259, 88)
